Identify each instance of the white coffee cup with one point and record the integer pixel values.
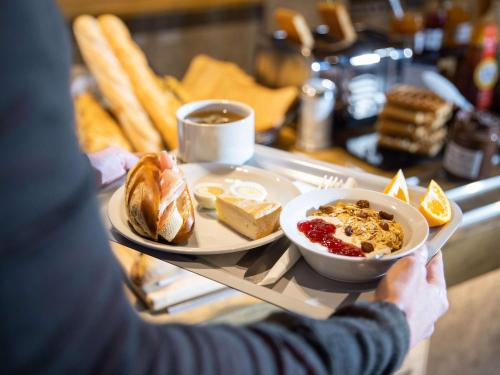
(229, 143)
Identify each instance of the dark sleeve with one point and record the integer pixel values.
(62, 307)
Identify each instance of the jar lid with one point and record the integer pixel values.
(488, 119)
(478, 125)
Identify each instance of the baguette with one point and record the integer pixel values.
(173, 85)
(143, 79)
(96, 129)
(115, 85)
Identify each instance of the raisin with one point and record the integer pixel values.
(348, 231)
(367, 247)
(385, 215)
(326, 209)
(362, 214)
(363, 203)
(384, 225)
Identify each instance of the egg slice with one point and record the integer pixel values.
(248, 190)
(206, 194)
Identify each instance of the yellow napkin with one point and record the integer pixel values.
(208, 78)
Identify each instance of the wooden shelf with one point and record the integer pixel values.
(73, 8)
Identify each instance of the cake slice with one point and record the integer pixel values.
(248, 217)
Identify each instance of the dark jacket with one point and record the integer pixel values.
(62, 307)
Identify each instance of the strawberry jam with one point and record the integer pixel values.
(319, 231)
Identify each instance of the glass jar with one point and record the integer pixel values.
(472, 145)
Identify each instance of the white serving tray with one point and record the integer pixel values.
(301, 290)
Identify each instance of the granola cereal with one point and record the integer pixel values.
(373, 231)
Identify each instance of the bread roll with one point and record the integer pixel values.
(147, 211)
(295, 26)
(96, 129)
(337, 18)
(143, 79)
(115, 85)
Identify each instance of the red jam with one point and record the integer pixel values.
(319, 231)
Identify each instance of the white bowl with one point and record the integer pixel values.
(345, 268)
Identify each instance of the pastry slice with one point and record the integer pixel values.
(403, 144)
(248, 217)
(407, 115)
(410, 131)
(424, 119)
(418, 99)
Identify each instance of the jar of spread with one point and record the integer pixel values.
(472, 145)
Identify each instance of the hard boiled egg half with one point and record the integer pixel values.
(248, 190)
(207, 193)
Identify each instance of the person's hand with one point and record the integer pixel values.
(111, 163)
(418, 290)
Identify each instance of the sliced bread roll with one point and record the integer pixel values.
(147, 212)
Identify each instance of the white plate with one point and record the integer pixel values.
(209, 235)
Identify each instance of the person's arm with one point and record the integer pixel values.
(62, 307)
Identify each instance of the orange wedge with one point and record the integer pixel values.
(397, 187)
(435, 205)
